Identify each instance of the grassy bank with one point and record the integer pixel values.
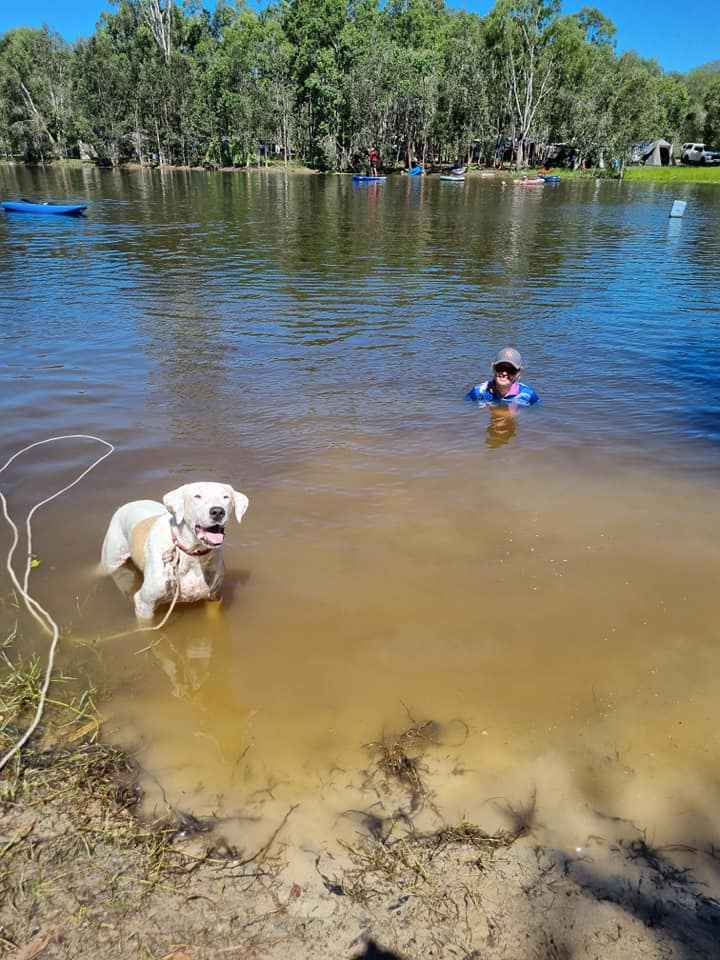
(669, 175)
(682, 174)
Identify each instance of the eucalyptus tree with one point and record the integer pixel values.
(159, 42)
(674, 107)
(103, 94)
(464, 109)
(417, 28)
(158, 14)
(636, 109)
(314, 29)
(369, 82)
(228, 90)
(526, 39)
(578, 113)
(35, 86)
(275, 78)
(711, 129)
(697, 83)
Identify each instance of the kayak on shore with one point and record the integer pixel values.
(453, 178)
(359, 178)
(27, 206)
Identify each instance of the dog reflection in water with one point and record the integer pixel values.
(502, 426)
(185, 659)
(186, 664)
(194, 657)
(185, 653)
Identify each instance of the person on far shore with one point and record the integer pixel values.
(374, 158)
(505, 388)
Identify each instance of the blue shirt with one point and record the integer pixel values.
(519, 393)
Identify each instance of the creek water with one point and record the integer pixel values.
(544, 589)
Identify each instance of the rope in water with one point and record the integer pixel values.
(34, 607)
(159, 626)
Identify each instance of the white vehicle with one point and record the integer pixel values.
(699, 153)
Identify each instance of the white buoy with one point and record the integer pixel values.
(678, 208)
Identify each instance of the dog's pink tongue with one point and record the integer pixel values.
(215, 538)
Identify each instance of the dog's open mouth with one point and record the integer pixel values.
(213, 536)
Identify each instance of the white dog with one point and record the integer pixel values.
(176, 544)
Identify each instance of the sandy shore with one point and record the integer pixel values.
(85, 876)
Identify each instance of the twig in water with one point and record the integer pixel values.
(264, 849)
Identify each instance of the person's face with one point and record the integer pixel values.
(505, 374)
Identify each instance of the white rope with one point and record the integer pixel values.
(34, 607)
(159, 626)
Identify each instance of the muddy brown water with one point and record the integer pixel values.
(546, 594)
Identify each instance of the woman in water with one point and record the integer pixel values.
(505, 388)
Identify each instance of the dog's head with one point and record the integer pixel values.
(205, 508)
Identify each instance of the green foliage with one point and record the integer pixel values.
(711, 102)
(322, 81)
(35, 69)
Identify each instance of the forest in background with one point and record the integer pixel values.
(321, 81)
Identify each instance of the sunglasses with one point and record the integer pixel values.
(506, 368)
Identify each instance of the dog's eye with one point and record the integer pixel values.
(197, 496)
(226, 497)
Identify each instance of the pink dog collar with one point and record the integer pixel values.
(190, 553)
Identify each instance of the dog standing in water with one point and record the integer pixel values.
(177, 545)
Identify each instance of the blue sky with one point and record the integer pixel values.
(679, 35)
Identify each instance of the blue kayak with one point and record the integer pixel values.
(550, 178)
(27, 206)
(358, 178)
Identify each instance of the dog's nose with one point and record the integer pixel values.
(217, 514)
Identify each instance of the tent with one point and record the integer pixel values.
(654, 153)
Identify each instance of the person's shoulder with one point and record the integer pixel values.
(479, 392)
(527, 395)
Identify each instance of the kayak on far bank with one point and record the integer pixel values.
(359, 178)
(27, 206)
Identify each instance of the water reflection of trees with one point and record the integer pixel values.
(275, 269)
(264, 263)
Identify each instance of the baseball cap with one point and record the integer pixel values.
(508, 355)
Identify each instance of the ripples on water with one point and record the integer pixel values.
(309, 294)
(311, 341)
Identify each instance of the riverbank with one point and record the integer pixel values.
(662, 175)
(668, 175)
(88, 875)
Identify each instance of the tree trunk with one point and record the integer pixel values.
(40, 120)
(161, 158)
(159, 21)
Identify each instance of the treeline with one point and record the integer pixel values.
(320, 81)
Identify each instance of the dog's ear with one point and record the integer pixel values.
(241, 504)
(175, 502)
